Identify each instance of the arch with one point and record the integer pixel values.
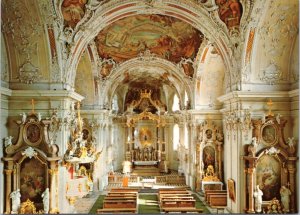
(105, 14)
(178, 79)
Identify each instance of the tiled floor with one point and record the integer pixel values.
(84, 205)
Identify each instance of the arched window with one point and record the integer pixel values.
(175, 106)
(175, 137)
(114, 105)
(186, 137)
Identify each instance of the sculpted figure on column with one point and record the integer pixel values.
(258, 199)
(45, 196)
(285, 198)
(16, 201)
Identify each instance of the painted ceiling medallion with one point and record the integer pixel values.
(165, 36)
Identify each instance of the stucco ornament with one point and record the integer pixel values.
(29, 152)
(272, 151)
(28, 73)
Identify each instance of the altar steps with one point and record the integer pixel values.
(146, 171)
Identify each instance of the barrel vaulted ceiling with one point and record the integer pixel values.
(163, 45)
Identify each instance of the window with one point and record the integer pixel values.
(175, 106)
(175, 137)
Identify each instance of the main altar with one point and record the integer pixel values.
(145, 144)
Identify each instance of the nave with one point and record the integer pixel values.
(147, 201)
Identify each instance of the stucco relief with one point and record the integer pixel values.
(276, 39)
(84, 83)
(4, 62)
(25, 37)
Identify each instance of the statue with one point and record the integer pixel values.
(23, 117)
(45, 196)
(39, 117)
(278, 118)
(16, 201)
(258, 199)
(7, 141)
(285, 198)
(290, 142)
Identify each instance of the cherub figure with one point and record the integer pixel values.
(23, 117)
(7, 141)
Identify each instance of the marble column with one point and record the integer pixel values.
(292, 177)
(250, 187)
(53, 188)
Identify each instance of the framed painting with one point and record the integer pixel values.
(32, 134)
(269, 135)
(268, 176)
(231, 189)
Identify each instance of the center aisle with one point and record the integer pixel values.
(148, 204)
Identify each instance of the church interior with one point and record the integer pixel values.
(158, 106)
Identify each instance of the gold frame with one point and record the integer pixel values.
(231, 189)
(25, 134)
(275, 138)
(25, 205)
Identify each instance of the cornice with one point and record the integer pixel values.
(255, 95)
(5, 91)
(294, 93)
(47, 93)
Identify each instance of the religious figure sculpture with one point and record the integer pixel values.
(7, 141)
(16, 201)
(23, 117)
(39, 117)
(45, 196)
(258, 199)
(285, 198)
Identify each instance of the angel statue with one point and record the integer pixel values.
(16, 201)
(23, 117)
(45, 196)
(290, 141)
(7, 141)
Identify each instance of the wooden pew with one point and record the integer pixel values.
(116, 210)
(174, 193)
(120, 198)
(124, 203)
(124, 190)
(211, 192)
(218, 200)
(168, 189)
(122, 194)
(176, 197)
(181, 210)
(178, 203)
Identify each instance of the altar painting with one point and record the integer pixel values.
(268, 177)
(32, 180)
(208, 156)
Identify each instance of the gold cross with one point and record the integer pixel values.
(270, 103)
(32, 104)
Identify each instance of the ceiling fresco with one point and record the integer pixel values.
(168, 37)
(73, 11)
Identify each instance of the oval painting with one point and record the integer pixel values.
(33, 133)
(269, 134)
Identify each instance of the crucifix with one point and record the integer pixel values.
(270, 103)
(32, 104)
